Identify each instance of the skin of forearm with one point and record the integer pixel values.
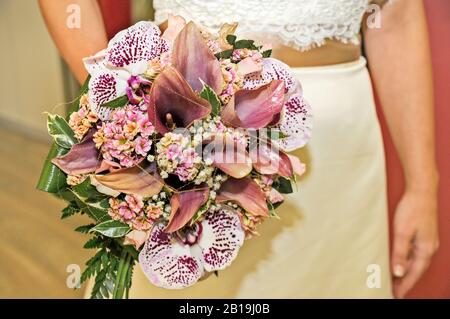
(400, 64)
(75, 43)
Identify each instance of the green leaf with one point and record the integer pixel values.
(87, 191)
(116, 103)
(267, 54)
(283, 185)
(275, 134)
(52, 179)
(70, 210)
(245, 44)
(224, 54)
(112, 228)
(208, 94)
(231, 39)
(84, 229)
(61, 132)
(94, 243)
(272, 208)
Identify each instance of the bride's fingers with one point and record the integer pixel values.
(400, 253)
(419, 264)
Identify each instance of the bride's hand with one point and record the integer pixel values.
(415, 238)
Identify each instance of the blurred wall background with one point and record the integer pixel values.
(31, 69)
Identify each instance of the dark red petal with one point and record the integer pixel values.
(193, 59)
(184, 206)
(83, 158)
(246, 193)
(171, 94)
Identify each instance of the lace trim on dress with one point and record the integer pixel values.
(301, 24)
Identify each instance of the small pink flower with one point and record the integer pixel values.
(146, 127)
(142, 146)
(174, 151)
(135, 203)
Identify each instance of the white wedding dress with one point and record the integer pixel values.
(332, 239)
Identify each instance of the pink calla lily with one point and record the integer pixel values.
(268, 160)
(230, 156)
(296, 119)
(255, 108)
(184, 206)
(194, 60)
(83, 158)
(175, 24)
(246, 193)
(142, 180)
(172, 96)
(169, 263)
(127, 55)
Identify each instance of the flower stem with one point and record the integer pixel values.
(124, 267)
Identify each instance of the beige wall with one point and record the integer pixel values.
(31, 80)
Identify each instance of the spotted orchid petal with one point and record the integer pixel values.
(255, 108)
(172, 94)
(142, 180)
(184, 206)
(194, 60)
(171, 264)
(96, 63)
(230, 156)
(268, 159)
(246, 193)
(273, 69)
(83, 158)
(104, 87)
(296, 123)
(134, 47)
(168, 263)
(222, 236)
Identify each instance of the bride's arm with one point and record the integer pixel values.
(400, 63)
(75, 43)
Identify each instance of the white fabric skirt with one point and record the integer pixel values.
(332, 239)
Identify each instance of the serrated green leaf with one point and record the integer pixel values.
(84, 229)
(94, 243)
(116, 103)
(112, 228)
(267, 54)
(52, 179)
(208, 94)
(60, 130)
(245, 44)
(231, 39)
(70, 210)
(224, 54)
(87, 191)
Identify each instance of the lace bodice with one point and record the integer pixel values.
(301, 24)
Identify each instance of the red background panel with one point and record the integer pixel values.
(436, 282)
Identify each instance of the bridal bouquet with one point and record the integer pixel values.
(175, 149)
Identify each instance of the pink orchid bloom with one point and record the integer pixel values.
(114, 69)
(177, 261)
